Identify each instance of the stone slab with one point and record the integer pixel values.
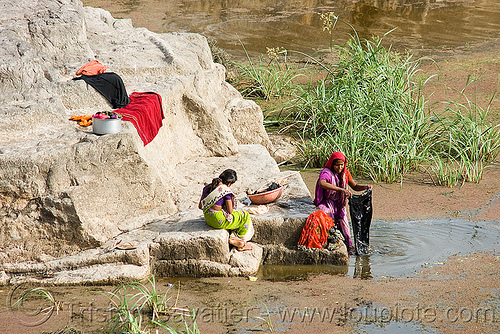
(189, 268)
(278, 254)
(247, 262)
(138, 256)
(109, 273)
(210, 245)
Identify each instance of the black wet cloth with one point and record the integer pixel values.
(110, 85)
(360, 207)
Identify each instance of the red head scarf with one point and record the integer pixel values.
(335, 155)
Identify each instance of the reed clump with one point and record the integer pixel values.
(268, 78)
(139, 308)
(370, 105)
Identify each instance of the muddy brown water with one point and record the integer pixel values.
(424, 26)
(403, 249)
(400, 248)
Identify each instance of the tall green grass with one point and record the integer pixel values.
(464, 142)
(369, 104)
(266, 80)
(370, 107)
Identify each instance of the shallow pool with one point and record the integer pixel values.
(403, 248)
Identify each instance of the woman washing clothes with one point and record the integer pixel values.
(219, 203)
(332, 193)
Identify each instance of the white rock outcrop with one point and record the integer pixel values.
(70, 200)
(63, 188)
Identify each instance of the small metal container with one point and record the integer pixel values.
(107, 125)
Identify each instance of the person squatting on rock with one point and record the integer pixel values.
(331, 193)
(219, 203)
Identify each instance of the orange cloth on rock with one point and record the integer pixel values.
(92, 68)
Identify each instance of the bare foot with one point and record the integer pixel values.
(237, 242)
(245, 248)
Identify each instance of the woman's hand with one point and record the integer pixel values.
(328, 186)
(347, 193)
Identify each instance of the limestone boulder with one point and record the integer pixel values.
(63, 188)
(183, 244)
(247, 262)
(283, 148)
(190, 268)
(279, 254)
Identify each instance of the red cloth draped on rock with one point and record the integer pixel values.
(145, 111)
(315, 231)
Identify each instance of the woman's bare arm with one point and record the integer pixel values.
(358, 187)
(328, 186)
(229, 205)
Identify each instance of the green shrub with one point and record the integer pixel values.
(369, 104)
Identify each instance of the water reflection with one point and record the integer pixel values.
(362, 268)
(394, 327)
(403, 249)
(298, 272)
(295, 25)
(369, 12)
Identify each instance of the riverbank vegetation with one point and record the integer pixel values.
(367, 100)
(137, 307)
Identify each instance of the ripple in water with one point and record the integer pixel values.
(403, 248)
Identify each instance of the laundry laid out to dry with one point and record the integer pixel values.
(83, 120)
(143, 109)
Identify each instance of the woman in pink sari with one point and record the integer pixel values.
(332, 193)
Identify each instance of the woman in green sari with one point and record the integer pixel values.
(219, 203)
